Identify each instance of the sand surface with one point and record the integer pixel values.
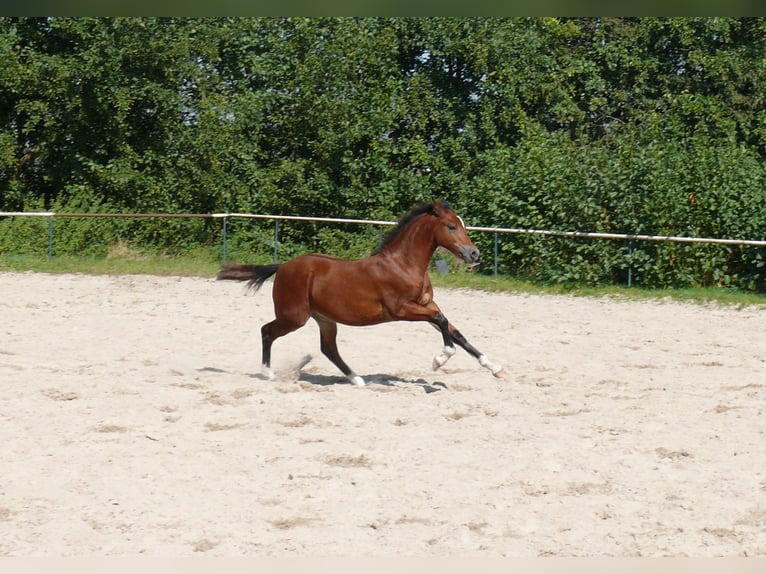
(134, 422)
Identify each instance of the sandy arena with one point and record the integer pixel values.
(134, 422)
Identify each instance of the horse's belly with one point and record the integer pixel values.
(344, 293)
(350, 307)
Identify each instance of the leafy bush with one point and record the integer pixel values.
(624, 125)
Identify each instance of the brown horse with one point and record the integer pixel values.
(392, 284)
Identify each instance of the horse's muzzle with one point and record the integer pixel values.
(470, 255)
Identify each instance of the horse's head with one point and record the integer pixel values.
(451, 234)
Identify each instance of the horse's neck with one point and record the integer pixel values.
(415, 244)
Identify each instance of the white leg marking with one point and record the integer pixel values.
(356, 379)
(442, 358)
(268, 373)
(496, 370)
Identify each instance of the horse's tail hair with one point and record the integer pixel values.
(255, 275)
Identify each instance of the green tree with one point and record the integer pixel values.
(631, 125)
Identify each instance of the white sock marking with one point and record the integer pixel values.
(443, 357)
(485, 362)
(268, 373)
(356, 379)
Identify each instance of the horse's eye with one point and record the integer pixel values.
(452, 227)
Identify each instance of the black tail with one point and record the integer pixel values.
(255, 275)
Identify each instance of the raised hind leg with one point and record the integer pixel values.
(328, 332)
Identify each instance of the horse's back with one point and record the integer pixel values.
(326, 274)
(315, 263)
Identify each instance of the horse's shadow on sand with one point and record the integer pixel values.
(382, 379)
(376, 379)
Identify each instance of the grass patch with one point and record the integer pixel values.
(698, 295)
(123, 260)
(195, 265)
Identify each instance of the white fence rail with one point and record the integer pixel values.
(337, 220)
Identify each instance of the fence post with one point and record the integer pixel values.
(276, 241)
(224, 238)
(495, 265)
(630, 263)
(50, 237)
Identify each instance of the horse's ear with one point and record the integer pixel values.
(438, 206)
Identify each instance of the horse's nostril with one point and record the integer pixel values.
(470, 255)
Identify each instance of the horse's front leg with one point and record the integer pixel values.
(495, 369)
(452, 335)
(431, 313)
(417, 311)
(440, 322)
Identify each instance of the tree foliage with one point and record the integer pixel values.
(630, 125)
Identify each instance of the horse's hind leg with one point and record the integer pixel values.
(328, 332)
(270, 332)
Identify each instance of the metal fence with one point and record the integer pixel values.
(496, 231)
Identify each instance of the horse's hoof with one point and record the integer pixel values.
(500, 374)
(443, 357)
(356, 380)
(268, 374)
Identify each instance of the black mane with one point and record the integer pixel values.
(405, 220)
